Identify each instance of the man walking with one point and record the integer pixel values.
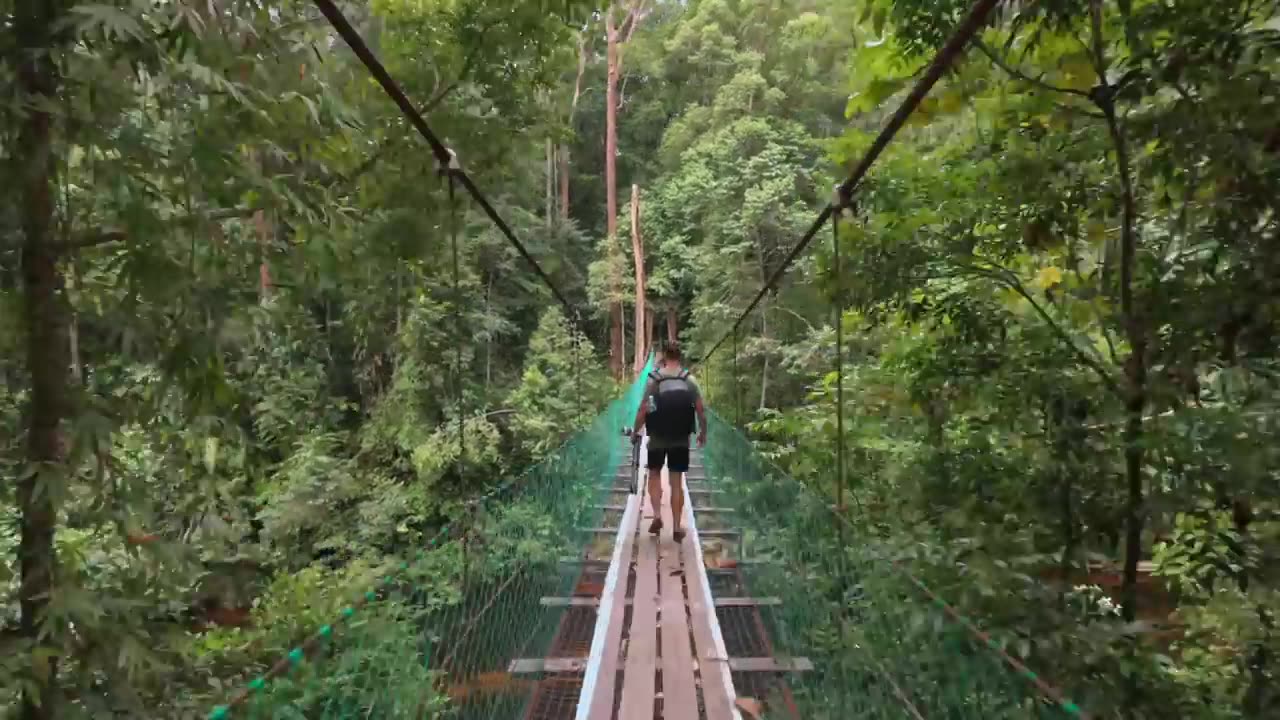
(671, 400)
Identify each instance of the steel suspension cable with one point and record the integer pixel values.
(941, 61)
(443, 156)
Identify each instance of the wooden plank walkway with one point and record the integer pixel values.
(670, 647)
(679, 688)
(642, 646)
(657, 651)
(717, 682)
(606, 642)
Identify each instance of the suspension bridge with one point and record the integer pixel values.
(553, 602)
(549, 600)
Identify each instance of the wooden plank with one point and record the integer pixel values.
(575, 601)
(584, 601)
(721, 533)
(747, 601)
(711, 510)
(606, 643)
(679, 690)
(529, 666)
(611, 508)
(718, 693)
(599, 530)
(642, 649)
(770, 664)
(583, 561)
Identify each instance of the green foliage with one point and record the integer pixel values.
(990, 345)
(270, 351)
(1058, 309)
(557, 386)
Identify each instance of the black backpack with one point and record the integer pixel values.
(671, 406)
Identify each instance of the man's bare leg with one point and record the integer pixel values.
(655, 499)
(677, 503)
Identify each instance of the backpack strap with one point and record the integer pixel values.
(658, 378)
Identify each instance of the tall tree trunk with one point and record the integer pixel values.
(764, 336)
(1135, 366)
(551, 182)
(611, 187)
(264, 270)
(488, 341)
(648, 331)
(46, 326)
(673, 324)
(573, 110)
(637, 254)
(73, 327)
(564, 181)
(263, 228)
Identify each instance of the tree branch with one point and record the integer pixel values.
(582, 68)
(1018, 74)
(1007, 278)
(105, 236)
(434, 101)
(634, 16)
(468, 62)
(637, 13)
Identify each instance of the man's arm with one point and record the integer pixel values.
(643, 411)
(702, 415)
(702, 421)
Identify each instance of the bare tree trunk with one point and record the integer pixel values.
(611, 187)
(488, 342)
(73, 327)
(264, 270)
(564, 181)
(573, 110)
(551, 182)
(1135, 366)
(263, 229)
(764, 336)
(393, 349)
(673, 321)
(648, 332)
(46, 325)
(637, 254)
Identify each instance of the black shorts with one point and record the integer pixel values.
(676, 459)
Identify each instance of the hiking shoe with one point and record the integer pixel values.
(678, 535)
(655, 527)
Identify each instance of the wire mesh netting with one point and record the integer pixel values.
(437, 638)
(881, 645)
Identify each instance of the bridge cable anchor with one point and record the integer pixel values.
(842, 202)
(452, 167)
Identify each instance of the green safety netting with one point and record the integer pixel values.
(435, 638)
(895, 650)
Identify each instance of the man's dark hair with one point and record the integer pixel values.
(671, 351)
